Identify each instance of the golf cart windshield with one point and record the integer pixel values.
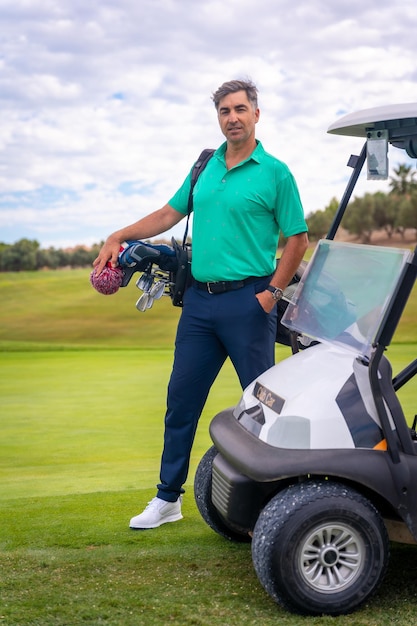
(345, 292)
(347, 288)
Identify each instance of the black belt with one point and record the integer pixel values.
(221, 286)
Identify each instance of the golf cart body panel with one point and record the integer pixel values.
(310, 419)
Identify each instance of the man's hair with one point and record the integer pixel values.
(232, 86)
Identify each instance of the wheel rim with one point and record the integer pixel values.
(331, 557)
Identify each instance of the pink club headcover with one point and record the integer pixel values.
(109, 281)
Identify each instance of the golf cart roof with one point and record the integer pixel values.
(394, 124)
(399, 119)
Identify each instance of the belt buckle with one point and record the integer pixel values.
(208, 287)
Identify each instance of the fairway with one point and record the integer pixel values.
(84, 421)
(82, 426)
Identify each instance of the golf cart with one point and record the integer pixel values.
(316, 464)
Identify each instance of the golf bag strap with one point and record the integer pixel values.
(199, 165)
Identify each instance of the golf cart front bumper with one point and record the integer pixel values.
(247, 472)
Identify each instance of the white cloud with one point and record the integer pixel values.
(105, 105)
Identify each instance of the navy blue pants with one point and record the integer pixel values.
(211, 328)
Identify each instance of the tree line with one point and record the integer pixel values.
(27, 255)
(395, 211)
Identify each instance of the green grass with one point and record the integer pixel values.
(82, 396)
(82, 421)
(60, 310)
(74, 562)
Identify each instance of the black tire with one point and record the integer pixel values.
(320, 548)
(202, 495)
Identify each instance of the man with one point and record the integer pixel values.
(242, 201)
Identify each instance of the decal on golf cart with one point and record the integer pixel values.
(268, 397)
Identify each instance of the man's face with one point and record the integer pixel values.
(237, 117)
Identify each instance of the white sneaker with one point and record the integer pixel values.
(157, 512)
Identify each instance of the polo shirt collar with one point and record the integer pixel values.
(255, 156)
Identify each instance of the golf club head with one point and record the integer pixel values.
(145, 282)
(157, 290)
(143, 303)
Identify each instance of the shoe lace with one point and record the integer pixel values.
(155, 503)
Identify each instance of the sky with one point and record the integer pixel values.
(106, 104)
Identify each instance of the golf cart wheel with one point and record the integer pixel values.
(202, 494)
(320, 548)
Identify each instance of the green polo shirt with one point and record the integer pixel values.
(238, 215)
